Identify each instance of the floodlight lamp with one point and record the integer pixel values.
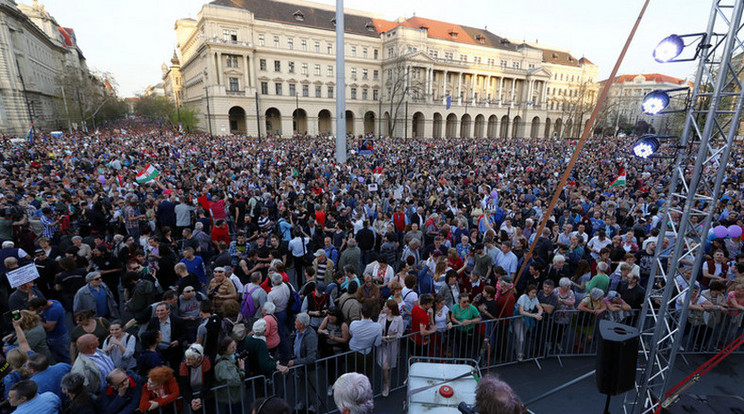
(669, 48)
(646, 146)
(655, 102)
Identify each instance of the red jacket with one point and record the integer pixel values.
(399, 219)
(220, 234)
(170, 390)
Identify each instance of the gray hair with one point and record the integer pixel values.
(415, 242)
(76, 238)
(256, 277)
(73, 382)
(353, 392)
(194, 351)
(303, 318)
(352, 243)
(602, 267)
(564, 282)
(269, 307)
(596, 293)
(495, 396)
(276, 279)
(92, 275)
(259, 327)
(558, 258)
(199, 225)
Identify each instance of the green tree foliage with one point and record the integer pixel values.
(157, 108)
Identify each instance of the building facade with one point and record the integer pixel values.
(265, 66)
(626, 96)
(36, 53)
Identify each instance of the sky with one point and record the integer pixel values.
(131, 39)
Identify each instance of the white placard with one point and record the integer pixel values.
(372, 187)
(22, 275)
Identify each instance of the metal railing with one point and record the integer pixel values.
(491, 343)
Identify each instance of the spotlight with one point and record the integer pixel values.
(668, 49)
(646, 146)
(655, 102)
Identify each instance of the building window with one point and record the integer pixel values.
(290, 44)
(303, 45)
(515, 65)
(261, 40)
(317, 70)
(503, 63)
(330, 91)
(375, 94)
(434, 53)
(292, 89)
(353, 93)
(299, 16)
(230, 35)
(305, 90)
(353, 73)
(449, 55)
(329, 47)
(276, 41)
(262, 64)
(375, 74)
(490, 61)
(353, 51)
(365, 74)
(304, 68)
(463, 58)
(278, 88)
(330, 70)
(234, 84)
(364, 94)
(232, 61)
(277, 66)
(376, 54)
(477, 59)
(317, 47)
(291, 67)
(264, 88)
(531, 66)
(364, 53)
(390, 52)
(318, 92)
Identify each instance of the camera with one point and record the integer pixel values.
(464, 408)
(16, 315)
(241, 355)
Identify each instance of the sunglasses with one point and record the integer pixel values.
(97, 278)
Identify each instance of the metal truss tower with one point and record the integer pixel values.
(702, 156)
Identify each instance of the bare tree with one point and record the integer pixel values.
(402, 83)
(84, 94)
(576, 105)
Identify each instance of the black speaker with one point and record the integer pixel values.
(617, 357)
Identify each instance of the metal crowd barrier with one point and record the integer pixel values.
(492, 343)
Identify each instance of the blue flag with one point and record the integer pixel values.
(449, 102)
(30, 135)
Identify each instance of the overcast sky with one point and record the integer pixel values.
(131, 39)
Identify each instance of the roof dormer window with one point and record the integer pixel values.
(453, 34)
(299, 16)
(555, 56)
(480, 38)
(370, 26)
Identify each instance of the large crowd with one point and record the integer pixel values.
(239, 258)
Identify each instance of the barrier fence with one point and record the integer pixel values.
(491, 343)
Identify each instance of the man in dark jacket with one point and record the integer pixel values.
(173, 334)
(366, 240)
(123, 393)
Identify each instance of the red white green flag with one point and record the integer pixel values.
(149, 173)
(620, 180)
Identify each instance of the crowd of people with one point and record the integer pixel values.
(235, 258)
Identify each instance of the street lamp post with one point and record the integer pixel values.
(206, 95)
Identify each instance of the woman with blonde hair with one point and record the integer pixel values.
(35, 334)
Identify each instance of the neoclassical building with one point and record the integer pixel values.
(34, 51)
(250, 64)
(627, 94)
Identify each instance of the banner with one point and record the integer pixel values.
(22, 275)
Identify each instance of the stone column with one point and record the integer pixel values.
(544, 95)
(513, 90)
(459, 88)
(219, 79)
(501, 88)
(444, 85)
(246, 77)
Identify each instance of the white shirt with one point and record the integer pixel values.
(279, 296)
(297, 246)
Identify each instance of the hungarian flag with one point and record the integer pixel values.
(620, 180)
(30, 135)
(119, 181)
(149, 173)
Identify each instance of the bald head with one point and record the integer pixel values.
(87, 344)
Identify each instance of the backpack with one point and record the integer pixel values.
(294, 304)
(248, 308)
(236, 330)
(257, 207)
